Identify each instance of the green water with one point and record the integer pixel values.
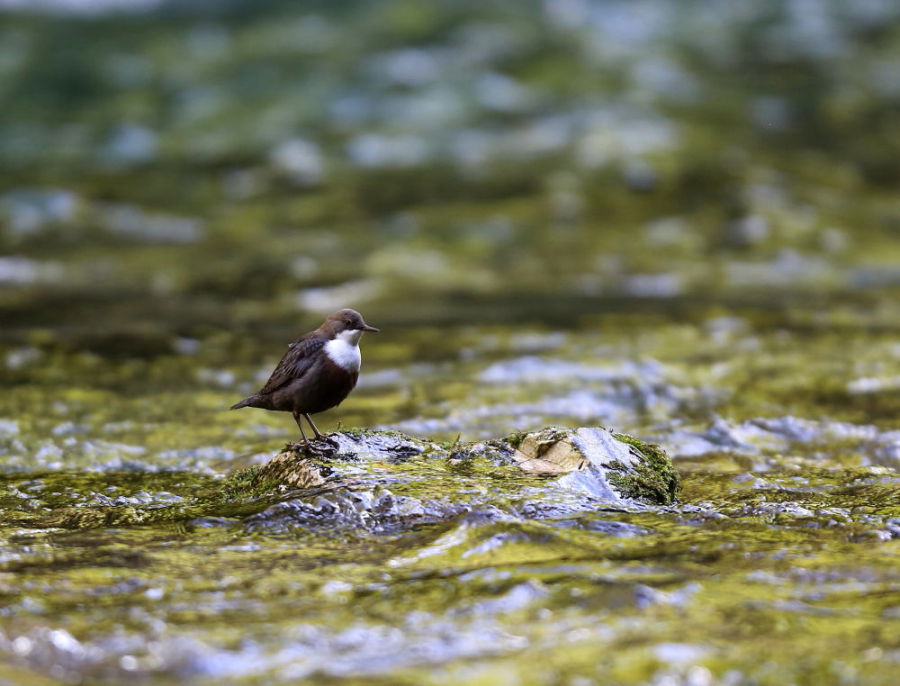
(780, 563)
(683, 227)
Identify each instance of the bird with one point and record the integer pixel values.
(316, 373)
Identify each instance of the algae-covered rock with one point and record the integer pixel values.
(384, 481)
(589, 461)
(599, 462)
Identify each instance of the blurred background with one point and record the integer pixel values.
(186, 186)
(678, 219)
(184, 168)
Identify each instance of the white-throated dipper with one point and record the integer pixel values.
(317, 372)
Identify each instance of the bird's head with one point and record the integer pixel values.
(346, 324)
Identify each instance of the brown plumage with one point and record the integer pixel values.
(317, 372)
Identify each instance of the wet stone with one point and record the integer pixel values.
(575, 469)
(370, 511)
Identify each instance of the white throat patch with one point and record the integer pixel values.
(344, 350)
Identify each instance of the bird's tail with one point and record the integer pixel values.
(246, 402)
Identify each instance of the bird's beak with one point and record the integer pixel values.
(366, 327)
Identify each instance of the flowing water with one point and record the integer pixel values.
(557, 214)
(122, 555)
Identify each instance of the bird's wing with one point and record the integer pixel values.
(295, 363)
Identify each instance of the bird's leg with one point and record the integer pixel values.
(319, 436)
(297, 416)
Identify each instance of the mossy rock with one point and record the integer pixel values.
(592, 461)
(632, 468)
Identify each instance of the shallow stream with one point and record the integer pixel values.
(675, 220)
(122, 555)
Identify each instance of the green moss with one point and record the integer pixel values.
(653, 479)
(101, 517)
(246, 482)
(515, 440)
